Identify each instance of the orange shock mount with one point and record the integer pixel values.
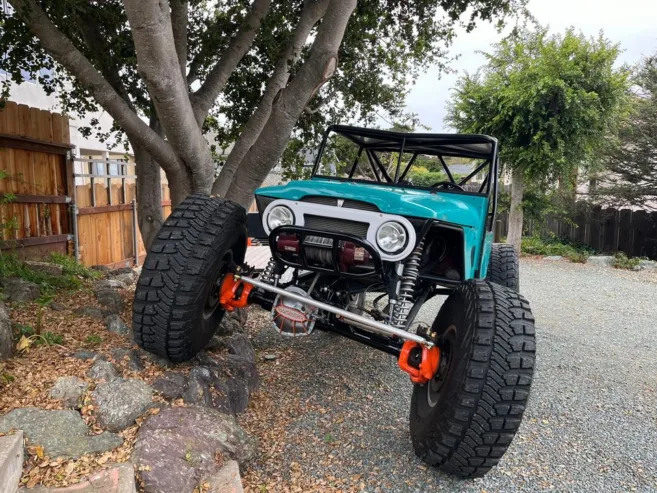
(420, 362)
(234, 293)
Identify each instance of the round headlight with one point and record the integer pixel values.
(391, 237)
(280, 216)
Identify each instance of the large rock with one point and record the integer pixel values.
(120, 402)
(11, 461)
(227, 480)
(6, 341)
(45, 267)
(212, 387)
(600, 260)
(117, 479)
(171, 385)
(111, 299)
(127, 278)
(17, 289)
(177, 447)
(103, 370)
(648, 264)
(115, 324)
(197, 390)
(237, 344)
(129, 356)
(69, 390)
(109, 284)
(60, 433)
(84, 354)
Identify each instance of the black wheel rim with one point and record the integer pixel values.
(212, 301)
(434, 387)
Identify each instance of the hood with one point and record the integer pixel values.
(451, 207)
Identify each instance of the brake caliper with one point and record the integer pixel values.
(420, 362)
(234, 293)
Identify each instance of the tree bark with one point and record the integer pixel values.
(516, 213)
(65, 53)
(290, 103)
(149, 195)
(204, 98)
(179, 20)
(312, 12)
(156, 54)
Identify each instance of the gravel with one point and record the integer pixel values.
(333, 414)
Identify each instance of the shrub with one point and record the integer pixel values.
(535, 245)
(72, 267)
(94, 339)
(622, 261)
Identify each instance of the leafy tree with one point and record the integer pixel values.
(630, 159)
(252, 72)
(548, 99)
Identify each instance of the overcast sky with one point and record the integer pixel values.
(632, 23)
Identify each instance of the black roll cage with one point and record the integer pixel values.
(474, 146)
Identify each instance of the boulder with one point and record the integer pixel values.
(237, 344)
(60, 433)
(100, 268)
(110, 299)
(17, 289)
(69, 390)
(103, 370)
(115, 324)
(600, 260)
(231, 323)
(45, 267)
(171, 385)
(6, 341)
(130, 356)
(127, 278)
(57, 307)
(120, 402)
(84, 354)
(119, 478)
(176, 448)
(91, 312)
(109, 284)
(11, 461)
(227, 480)
(121, 270)
(648, 264)
(197, 390)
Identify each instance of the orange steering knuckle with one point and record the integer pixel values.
(428, 363)
(230, 296)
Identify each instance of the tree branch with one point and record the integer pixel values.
(179, 20)
(312, 12)
(67, 55)
(152, 33)
(204, 98)
(288, 106)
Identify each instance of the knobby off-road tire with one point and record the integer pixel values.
(176, 311)
(503, 268)
(464, 420)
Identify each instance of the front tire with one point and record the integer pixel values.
(464, 419)
(176, 308)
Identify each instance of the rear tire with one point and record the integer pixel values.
(176, 310)
(503, 267)
(464, 419)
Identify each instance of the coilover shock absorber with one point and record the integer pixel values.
(268, 274)
(408, 282)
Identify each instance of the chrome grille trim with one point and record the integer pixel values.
(346, 203)
(336, 225)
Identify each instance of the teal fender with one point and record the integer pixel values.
(465, 210)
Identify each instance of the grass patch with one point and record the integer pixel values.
(93, 339)
(622, 261)
(72, 276)
(535, 245)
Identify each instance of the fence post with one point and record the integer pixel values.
(498, 231)
(135, 240)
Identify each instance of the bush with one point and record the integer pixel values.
(71, 278)
(622, 261)
(535, 245)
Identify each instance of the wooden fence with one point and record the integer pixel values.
(51, 201)
(35, 180)
(605, 230)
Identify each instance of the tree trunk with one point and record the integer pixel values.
(516, 214)
(149, 195)
(290, 103)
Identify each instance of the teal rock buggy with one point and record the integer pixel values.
(386, 222)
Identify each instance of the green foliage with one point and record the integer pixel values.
(552, 246)
(11, 266)
(548, 99)
(72, 267)
(21, 330)
(49, 339)
(630, 156)
(93, 339)
(621, 261)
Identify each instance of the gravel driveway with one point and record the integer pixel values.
(333, 414)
